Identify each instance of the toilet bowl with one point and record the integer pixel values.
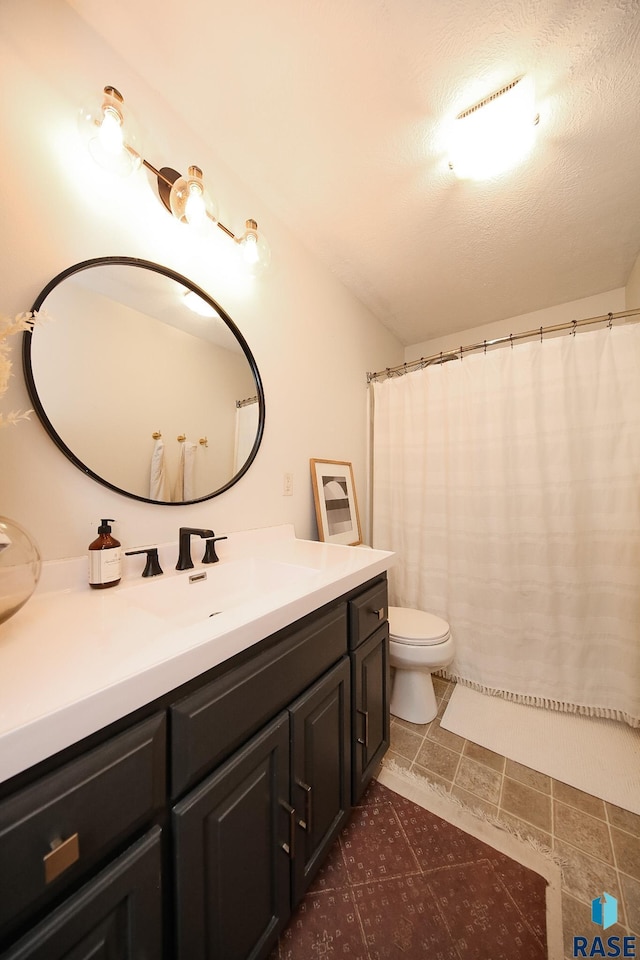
(419, 643)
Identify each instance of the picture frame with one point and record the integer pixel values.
(336, 504)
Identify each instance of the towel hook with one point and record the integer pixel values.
(203, 442)
(156, 435)
(181, 438)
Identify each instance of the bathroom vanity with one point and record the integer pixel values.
(180, 803)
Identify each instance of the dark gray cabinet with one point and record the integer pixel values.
(370, 682)
(370, 717)
(117, 916)
(320, 771)
(231, 788)
(232, 836)
(249, 839)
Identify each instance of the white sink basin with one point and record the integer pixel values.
(195, 595)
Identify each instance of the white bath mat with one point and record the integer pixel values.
(601, 757)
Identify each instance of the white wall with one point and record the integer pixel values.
(611, 302)
(313, 342)
(632, 289)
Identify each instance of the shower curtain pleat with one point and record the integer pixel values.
(509, 486)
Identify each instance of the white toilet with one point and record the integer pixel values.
(419, 643)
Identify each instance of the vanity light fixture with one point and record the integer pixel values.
(113, 142)
(496, 133)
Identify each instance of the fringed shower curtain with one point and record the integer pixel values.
(508, 483)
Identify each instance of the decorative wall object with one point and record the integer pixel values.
(336, 504)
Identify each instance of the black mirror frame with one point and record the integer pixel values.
(172, 275)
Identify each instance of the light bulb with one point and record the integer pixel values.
(194, 302)
(194, 208)
(254, 249)
(190, 201)
(110, 133)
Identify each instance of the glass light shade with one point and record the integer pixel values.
(190, 201)
(110, 133)
(19, 567)
(496, 135)
(254, 249)
(196, 304)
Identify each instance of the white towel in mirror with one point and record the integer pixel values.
(158, 481)
(185, 488)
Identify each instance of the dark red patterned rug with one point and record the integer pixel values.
(401, 883)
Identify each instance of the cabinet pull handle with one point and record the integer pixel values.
(63, 854)
(290, 847)
(365, 714)
(380, 614)
(306, 823)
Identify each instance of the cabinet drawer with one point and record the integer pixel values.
(54, 831)
(209, 724)
(366, 613)
(117, 914)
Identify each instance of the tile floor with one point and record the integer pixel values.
(599, 841)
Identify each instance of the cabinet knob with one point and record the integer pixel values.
(381, 613)
(63, 854)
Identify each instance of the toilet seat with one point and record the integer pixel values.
(417, 627)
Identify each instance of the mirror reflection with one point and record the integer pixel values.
(144, 381)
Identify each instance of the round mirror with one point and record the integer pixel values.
(143, 381)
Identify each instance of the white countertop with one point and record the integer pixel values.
(73, 659)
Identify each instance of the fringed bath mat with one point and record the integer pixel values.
(601, 757)
(402, 882)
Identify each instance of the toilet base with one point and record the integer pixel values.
(412, 696)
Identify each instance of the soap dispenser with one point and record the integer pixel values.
(105, 558)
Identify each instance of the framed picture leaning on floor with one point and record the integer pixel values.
(336, 504)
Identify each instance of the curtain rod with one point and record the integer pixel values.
(446, 355)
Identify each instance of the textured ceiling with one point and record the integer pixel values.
(334, 110)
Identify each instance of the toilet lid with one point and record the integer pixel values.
(416, 626)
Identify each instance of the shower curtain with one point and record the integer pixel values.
(246, 432)
(508, 483)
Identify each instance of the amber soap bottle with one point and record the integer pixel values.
(105, 558)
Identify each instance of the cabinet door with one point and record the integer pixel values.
(370, 713)
(320, 770)
(232, 866)
(117, 916)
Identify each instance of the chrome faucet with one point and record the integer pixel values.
(184, 555)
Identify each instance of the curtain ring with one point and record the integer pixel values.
(575, 324)
(511, 340)
(485, 348)
(610, 324)
(540, 334)
(461, 351)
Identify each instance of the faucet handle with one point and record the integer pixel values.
(210, 555)
(152, 567)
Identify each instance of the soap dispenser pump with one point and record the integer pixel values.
(105, 558)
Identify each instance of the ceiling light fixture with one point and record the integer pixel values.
(113, 142)
(196, 304)
(496, 133)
